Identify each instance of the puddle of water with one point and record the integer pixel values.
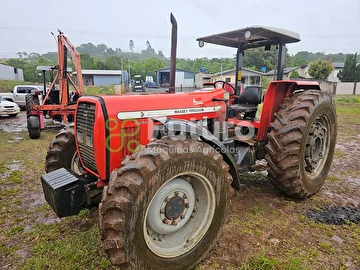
(335, 215)
(19, 123)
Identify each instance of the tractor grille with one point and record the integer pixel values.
(85, 119)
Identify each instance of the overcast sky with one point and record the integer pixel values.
(329, 26)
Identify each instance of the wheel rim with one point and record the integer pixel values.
(317, 146)
(179, 215)
(76, 164)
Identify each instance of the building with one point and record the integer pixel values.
(11, 73)
(333, 75)
(303, 72)
(248, 77)
(183, 78)
(200, 78)
(104, 77)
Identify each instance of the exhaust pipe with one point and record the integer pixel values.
(173, 53)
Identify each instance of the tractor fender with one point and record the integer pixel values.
(178, 129)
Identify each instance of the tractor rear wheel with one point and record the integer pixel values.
(301, 143)
(165, 207)
(62, 152)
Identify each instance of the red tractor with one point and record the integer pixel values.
(57, 104)
(162, 167)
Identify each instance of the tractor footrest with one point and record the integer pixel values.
(63, 192)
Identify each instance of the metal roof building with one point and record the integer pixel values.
(11, 73)
(183, 78)
(104, 77)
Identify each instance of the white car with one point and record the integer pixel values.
(8, 108)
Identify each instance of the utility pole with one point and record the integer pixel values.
(129, 73)
(221, 68)
(122, 77)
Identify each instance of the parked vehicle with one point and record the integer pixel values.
(8, 108)
(162, 167)
(138, 84)
(19, 93)
(151, 85)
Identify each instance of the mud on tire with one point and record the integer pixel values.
(301, 143)
(165, 207)
(62, 152)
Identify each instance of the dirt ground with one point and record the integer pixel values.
(265, 230)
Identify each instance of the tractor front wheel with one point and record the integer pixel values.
(301, 143)
(165, 207)
(62, 152)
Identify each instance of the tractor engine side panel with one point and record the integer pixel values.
(108, 128)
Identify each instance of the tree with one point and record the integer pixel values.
(131, 45)
(87, 61)
(113, 62)
(299, 61)
(320, 69)
(149, 52)
(294, 74)
(351, 71)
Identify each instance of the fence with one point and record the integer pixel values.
(341, 88)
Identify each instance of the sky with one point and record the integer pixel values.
(329, 26)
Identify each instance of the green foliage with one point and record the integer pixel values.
(259, 58)
(103, 57)
(310, 57)
(265, 83)
(260, 262)
(351, 71)
(347, 99)
(149, 52)
(294, 74)
(320, 69)
(144, 66)
(131, 45)
(298, 61)
(87, 61)
(8, 86)
(113, 62)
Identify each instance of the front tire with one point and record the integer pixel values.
(166, 206)
(33, 126)
(62, 152)
(301, 143)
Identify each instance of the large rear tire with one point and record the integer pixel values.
(165, 207)
(62, 152)
(301, 143)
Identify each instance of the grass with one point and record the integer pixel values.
(347, 99)
(8, 85)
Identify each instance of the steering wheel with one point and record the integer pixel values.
(226, 85)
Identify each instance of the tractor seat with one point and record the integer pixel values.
(247, 102)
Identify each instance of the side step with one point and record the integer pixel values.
(63, 192)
